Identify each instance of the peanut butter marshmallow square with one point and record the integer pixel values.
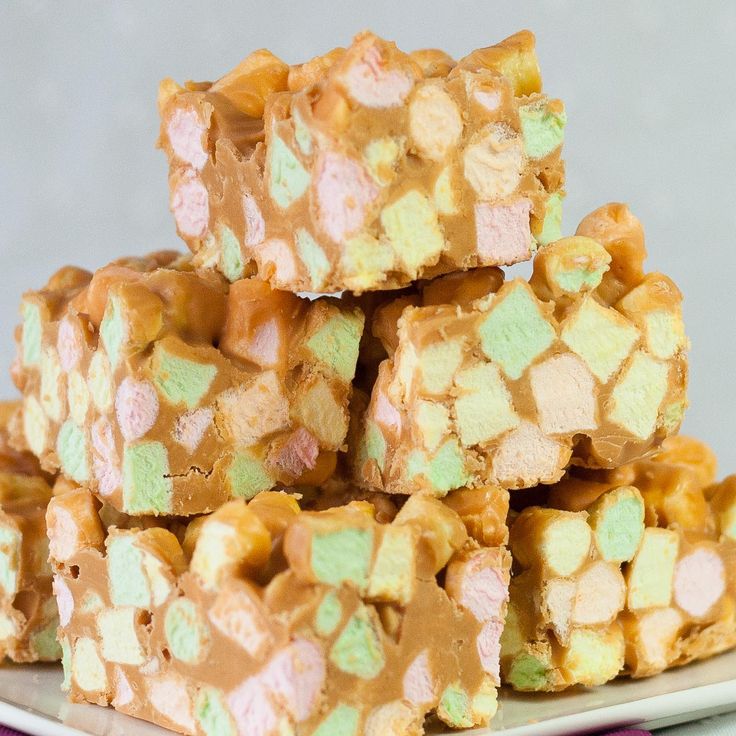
(368, 167)
(28, 616)
(508, 383)
(168, 391)
(627, 571)
(261, 619)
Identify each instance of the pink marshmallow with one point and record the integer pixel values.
(265, 344)
(276, 261)
(186, 134)
(255, 226)
(296, 676)
(252, 709)
(190, 205)
(503, 233)
(64, 600)
(69, 345)
(372, 85)
(104, 458)
(298, 453)
(386, 413)
(190, 427)
(345, 192)
(483, 589)
(700, 580)
(136, 407)
(489, 648)
(419, 689)
(489, 100)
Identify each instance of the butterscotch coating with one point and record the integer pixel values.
(366, 168)
(609, 580)
(268, 619)
(28, 617)
(168, 391)
(510, 388)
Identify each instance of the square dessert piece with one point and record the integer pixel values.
(168, 391)
(489, 382)
(628, 571)
(368, 167)
(262, 619)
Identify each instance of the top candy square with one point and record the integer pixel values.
(366, 168)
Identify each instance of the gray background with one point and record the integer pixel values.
(649, 88)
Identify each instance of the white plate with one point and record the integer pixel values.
(30, 700)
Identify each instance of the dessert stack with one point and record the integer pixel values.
(343, 512)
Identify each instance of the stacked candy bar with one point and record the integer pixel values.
(167, 391)
(366, 168)
(504, 383)
(631, 570)
(260, 619)
(28, 615)
(270, 521)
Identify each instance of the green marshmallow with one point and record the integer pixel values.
(288, 178)
(412, 228)
(527, 673)
(445, 471)
(637, 396)
(342, 556)
(342, 721)
(231, 259)
(438, 363)
(10, 542)
(543, 129)
(373, 445)
(313, 257)
(358, 649)
(147, 485)
(44, 643)
(664, 333)
(600, 336)
(127, 581)
(455, 707)
(329, 614)
(213, 714)
(71, 447)
(574, 281)
(617, 520)
(672, 415)
(392, 577)
(186, 631)
(182, 381)
(552, 225)
(515, 333)
(113, 330)
(32, 331)
(302, 135)
(66, 663)
(484, 410)
(336, 343)
(248, 475)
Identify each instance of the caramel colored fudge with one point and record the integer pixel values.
(261, 619)
(28, 617)
(366, 168)
(509, 383)
(623, 579)
(166, 391)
